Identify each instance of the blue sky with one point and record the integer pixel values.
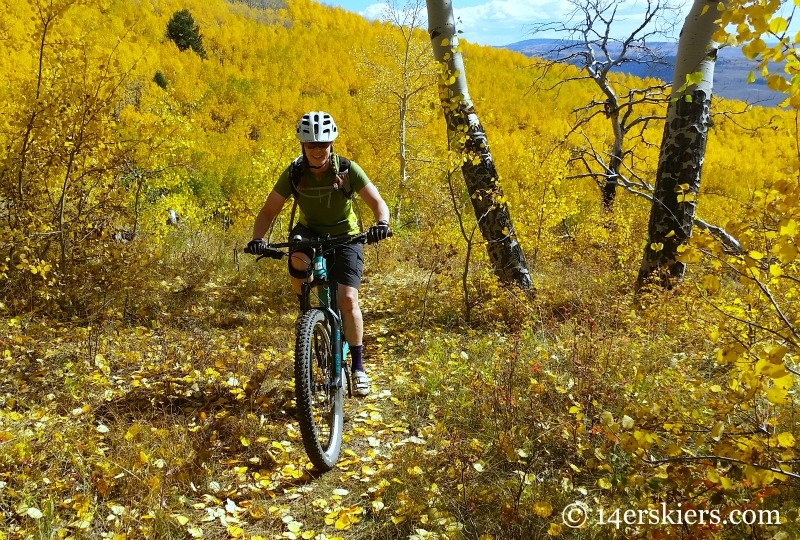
(496, 22)
(501, 22)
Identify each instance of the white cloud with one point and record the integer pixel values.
(507, 11)
(375, 11)
(497, 22)
(501, 22)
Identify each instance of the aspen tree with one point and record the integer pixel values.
(467, 138)
(682, 148)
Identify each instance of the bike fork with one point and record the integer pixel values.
(341, 348)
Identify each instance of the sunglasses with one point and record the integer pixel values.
(317, 144)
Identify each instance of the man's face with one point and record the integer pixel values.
(318, 153)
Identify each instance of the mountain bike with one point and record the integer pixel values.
(320, 370)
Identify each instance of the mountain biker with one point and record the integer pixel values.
(326, 208)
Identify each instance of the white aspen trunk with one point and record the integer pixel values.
(615, 162)
(682, 148)
(465, 134)
(401, 188)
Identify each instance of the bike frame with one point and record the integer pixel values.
(328, 297)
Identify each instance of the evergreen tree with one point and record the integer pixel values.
(182, 29)
(160, 80)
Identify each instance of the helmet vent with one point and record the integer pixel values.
(317, 126)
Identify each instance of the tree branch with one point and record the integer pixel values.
(681, 459)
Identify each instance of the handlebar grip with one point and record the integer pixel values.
(270, 252)
(366, 239)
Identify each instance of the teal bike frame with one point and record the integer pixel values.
(327, 294)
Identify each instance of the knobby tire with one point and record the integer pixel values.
(320, 406)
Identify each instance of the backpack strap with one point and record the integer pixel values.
(295, 174)
(343, 174)
(341, 169)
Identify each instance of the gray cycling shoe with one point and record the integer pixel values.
(361, 386)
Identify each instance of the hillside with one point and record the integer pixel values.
(730, 74)
(146, 379)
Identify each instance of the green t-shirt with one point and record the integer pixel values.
(323, 208)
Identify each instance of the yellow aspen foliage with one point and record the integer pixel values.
(131, 349)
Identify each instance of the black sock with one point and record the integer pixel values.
(355, 355)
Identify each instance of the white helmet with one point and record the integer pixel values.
(317, 126)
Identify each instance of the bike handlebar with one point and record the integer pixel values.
(298, 243)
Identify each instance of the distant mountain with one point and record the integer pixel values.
(730, 73)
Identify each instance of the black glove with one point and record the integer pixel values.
(256, 246)
(379, 231)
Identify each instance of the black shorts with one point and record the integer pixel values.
(345, 263)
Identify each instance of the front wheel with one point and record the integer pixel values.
(320, 397)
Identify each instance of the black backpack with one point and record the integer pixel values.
(342, 172)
